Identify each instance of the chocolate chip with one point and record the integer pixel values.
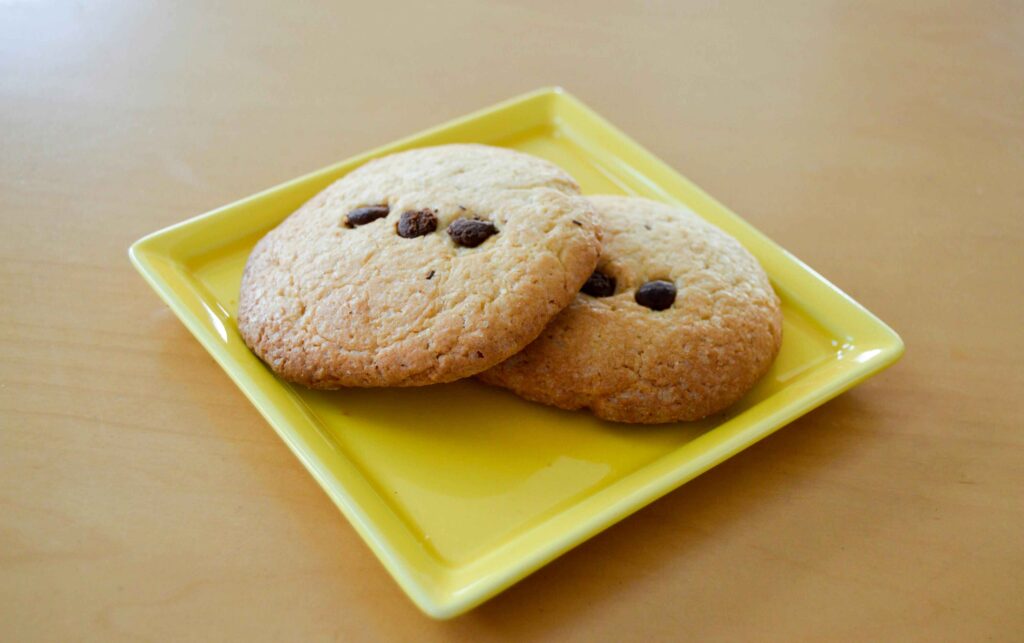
(471, 232)
(599, 285)
(656, 295)
(416, 223)
(362, 216)
(430, 275)
(575, 222)
(479, 354)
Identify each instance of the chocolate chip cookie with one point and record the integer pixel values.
(425, 266)
(677, 322)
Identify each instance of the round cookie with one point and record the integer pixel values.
(677, 322)
(421, 267)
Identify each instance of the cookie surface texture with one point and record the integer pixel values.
(681, 322)
(363, 286)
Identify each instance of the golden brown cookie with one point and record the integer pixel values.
(677, 322)
(420, 267)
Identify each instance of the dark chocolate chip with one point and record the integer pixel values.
(479, 354)
(416, 223)
(362, 216)
(575, 222)
(430, 275)
(599, 285)
(471, 232)
(656, 295)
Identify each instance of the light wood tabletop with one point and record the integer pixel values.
(142, 497)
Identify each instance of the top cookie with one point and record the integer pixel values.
(420, 267)
(677, 322)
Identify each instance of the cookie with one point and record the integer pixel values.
(421, 267)
(677, 322)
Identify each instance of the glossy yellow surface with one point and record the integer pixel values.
(462, 489)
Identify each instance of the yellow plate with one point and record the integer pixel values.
(461, 489)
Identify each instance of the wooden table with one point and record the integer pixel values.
(141, 496)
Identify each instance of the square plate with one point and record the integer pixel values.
(458, 506)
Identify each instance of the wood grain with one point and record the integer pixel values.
(141, 497)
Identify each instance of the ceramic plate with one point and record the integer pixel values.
(461, 489)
